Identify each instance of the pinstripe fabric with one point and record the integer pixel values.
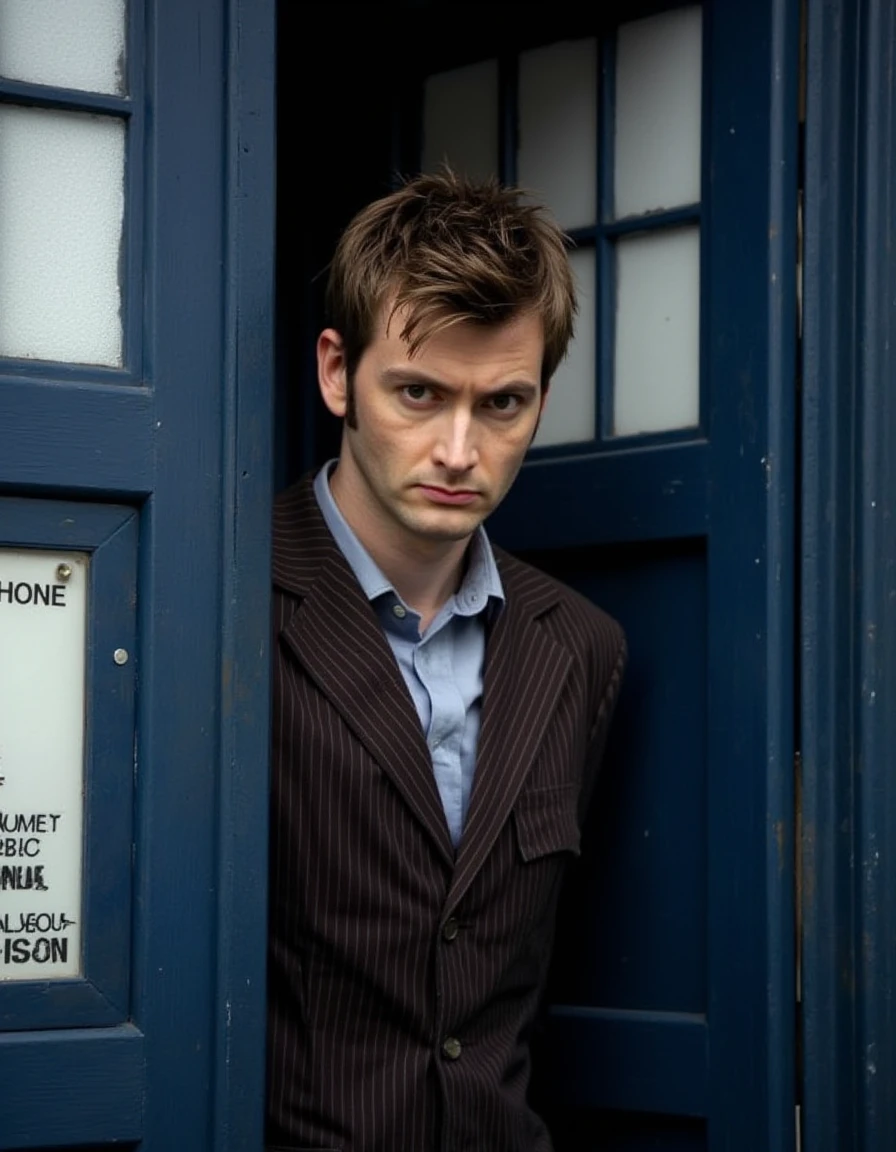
(384, 943)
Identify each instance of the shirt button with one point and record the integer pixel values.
(450, 929)
(400, 611)
(451, 1047)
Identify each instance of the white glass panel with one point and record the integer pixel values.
(43, 612)
(65, 43)
(570, 412)
(61, 212)
(460, 120)
(657, 376)
(658, 84)
(558, 129)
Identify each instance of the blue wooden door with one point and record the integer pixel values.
(134, 474)
(671, 1023)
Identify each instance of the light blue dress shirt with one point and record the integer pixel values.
(443, 667)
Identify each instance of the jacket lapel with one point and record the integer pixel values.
(524, 674)
(337, 639)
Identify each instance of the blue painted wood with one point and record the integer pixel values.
(729, 496)
(77, 437)
(659, 1063)
(830, 770)
(80, 1086)
(184, 434)
(752, 326)
(639, 890)
(109, 534)
(63, 99)
(585, 497)
(245, 731)
(136, 317)
(660, 219)
(849, 553)
(175, 993)
(68, 524)
(109, 764)
(605, 304)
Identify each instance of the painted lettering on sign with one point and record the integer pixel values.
(42, 705)
(43, 950)
(29, 821)
(48, 595)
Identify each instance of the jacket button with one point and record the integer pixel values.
(451, 1047)
(450, 928)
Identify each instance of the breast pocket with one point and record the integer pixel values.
(546, 822)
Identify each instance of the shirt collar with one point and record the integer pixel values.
(481, 587)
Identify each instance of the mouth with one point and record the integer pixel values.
(451, 496)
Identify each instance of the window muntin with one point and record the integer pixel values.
(608, 132)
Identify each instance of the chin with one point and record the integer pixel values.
(446, 530)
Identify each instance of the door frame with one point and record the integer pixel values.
(848, 613)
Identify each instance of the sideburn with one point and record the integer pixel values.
(351, 415)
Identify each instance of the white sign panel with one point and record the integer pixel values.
(43, 619)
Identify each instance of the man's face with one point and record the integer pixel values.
(439, 437)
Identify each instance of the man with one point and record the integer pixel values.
(440, 708)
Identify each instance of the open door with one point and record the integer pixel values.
(661, 484)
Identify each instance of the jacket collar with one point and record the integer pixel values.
(336, 636)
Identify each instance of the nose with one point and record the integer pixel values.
(455, 447)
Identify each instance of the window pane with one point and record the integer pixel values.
(657, 376)
(61, 214)
(460, 120)
(64, 43)
(658, 86)
(558, 129)
(570, 412)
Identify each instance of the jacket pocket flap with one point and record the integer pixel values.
(546, 822)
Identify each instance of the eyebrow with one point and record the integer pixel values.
(414, 376)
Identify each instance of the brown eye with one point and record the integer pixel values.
(505, 403)
(417, 393)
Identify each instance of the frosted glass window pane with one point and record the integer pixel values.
(570, 412)
(460, 120)
(66, 43)
(558, 129)
(658, 85)
(61, 212)
(657, 376)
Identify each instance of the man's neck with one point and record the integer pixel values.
(425, 578)
(424, 573)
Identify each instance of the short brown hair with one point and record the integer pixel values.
(448, 249)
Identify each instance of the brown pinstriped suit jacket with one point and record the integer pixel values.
(404, 977)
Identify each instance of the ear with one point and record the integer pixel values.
(331, 376)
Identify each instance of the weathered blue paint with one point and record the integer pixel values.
(689, 540)
(81, 1084)
(848, 588)
(247, 483)
(182, 436)
(64, 99)
(656, 492)
(88, 437)
(752, 361)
